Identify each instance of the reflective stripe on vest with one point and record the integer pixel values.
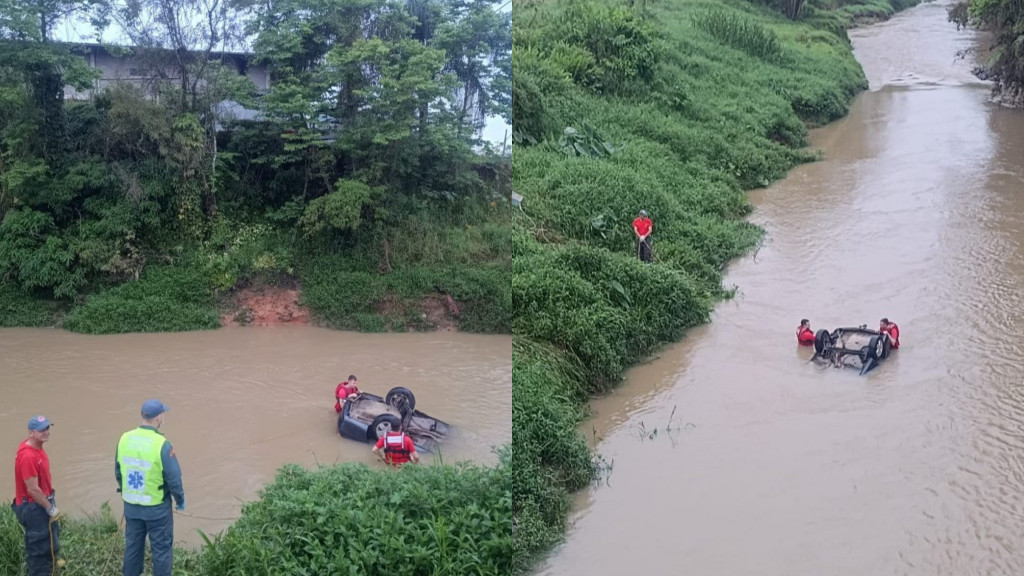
(394, 447)
(142, 469)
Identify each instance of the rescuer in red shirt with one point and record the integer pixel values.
(344, 391)
(890, 328)
(804, 334)
(397, 447)
(34, 504)
(642, 227)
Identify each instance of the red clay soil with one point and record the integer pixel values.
(439, 312)
(265, 306)
(275, 305)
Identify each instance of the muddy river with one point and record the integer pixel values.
(773, 466)
(243, 401)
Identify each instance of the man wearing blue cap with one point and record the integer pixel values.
(148, 475)
(34, 503)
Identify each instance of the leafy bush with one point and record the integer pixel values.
(20, 309)
(107, 313)
(623, 48)
(247, 252)
(349, 519)
(33, 253)
(164, 299)
(334, 295)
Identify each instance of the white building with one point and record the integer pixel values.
(142, 72)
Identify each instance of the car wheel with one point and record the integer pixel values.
(382, 425)
(888, 347)
(821, 340)
(876, 348)
(401, 399)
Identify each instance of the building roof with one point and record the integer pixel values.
(105, 47)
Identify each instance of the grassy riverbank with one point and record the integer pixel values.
(357, 175)
(677, 111)
(465, 252)
(1003, 20)
(346, 519)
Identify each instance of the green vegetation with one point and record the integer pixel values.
(332, 521)
(164, 299)
(673, 107)
(1004, 19)
(441, 520)
(357, 178)
(91, 546)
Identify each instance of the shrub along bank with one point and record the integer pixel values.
(676, 107)
(440, 520)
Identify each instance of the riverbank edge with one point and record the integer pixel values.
(479, 307)
(567, 374)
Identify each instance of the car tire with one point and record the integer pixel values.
(401, 399)
(382, 425)
(888, 347)
(876, 348)
(821, 339)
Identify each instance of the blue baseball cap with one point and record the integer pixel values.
(153, 408)
(38, 423)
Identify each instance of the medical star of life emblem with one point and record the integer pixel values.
(136, 480)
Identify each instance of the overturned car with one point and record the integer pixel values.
(858, 347)
(368, 417)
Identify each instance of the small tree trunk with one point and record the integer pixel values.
(385, 265)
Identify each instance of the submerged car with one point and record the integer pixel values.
(858, 347)
(368, 417)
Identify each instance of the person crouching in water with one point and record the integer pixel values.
(890, 328)
(396, 447)
(344, 391)
(804, 334)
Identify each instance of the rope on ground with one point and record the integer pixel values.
(205, 517)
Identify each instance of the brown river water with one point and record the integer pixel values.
(243, 402)
(774, 466)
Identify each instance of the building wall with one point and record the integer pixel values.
(126, 68)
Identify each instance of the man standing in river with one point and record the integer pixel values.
(148, 475)
(396, 447)
(344, 391)
(804, 334)
(34, 504)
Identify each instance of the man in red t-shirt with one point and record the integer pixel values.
(34, 504)
(397, 448)
(642, 227)
(344, 391)
(804, 334)
(890, 328)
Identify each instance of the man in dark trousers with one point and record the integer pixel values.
(34, 504)
(642, 227)
(148, 475)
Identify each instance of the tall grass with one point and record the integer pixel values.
(740, 32)
(733, 90)
(92, 545)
